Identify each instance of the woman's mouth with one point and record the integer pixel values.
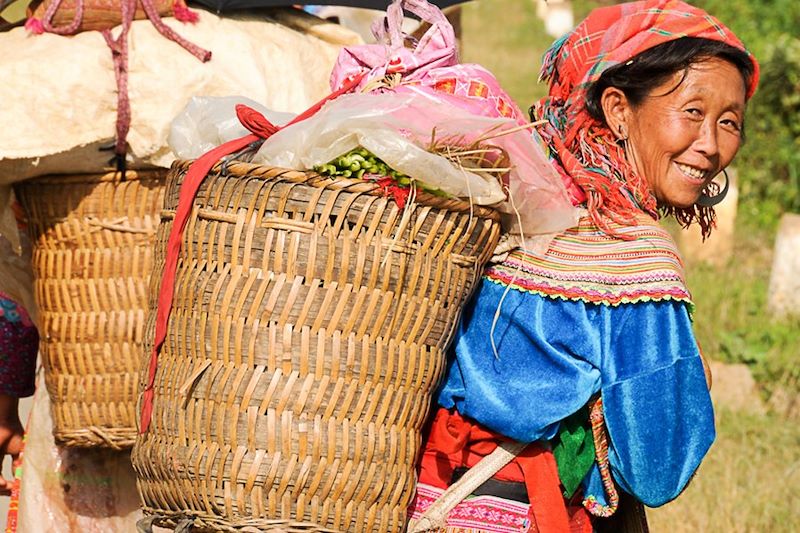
(693, 173)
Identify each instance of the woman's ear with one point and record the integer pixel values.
(616, 110)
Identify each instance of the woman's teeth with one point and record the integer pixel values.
(692, 172)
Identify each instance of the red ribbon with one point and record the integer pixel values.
(260, 128)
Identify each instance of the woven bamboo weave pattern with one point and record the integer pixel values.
(93, 241)
(308, 329)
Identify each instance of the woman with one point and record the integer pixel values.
(19, 344)
(19, 338)
(586, 350)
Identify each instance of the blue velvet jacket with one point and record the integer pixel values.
(531, 350)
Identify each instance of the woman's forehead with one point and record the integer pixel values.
(711, 78)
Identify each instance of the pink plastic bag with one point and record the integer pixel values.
(431, 67)
(538, 202)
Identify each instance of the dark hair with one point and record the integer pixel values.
(644, 72)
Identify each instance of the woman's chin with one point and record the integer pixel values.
(685, 205)
(680, 202)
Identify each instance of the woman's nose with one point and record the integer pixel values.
(706, 142)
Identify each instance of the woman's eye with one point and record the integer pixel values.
(732, 124)
(694, 112)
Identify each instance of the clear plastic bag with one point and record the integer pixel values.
(208, 121)
(399, 129)
(394, 128)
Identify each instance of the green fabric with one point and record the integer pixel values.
(573, 448)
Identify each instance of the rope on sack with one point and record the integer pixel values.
(119, 53)
(435, 517)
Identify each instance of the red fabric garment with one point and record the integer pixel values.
(586, 151)
(454, 441)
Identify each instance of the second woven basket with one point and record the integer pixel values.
(93, 237)
(307, 333)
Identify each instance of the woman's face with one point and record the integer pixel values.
(680, 139)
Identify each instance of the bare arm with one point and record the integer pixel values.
(11, 434)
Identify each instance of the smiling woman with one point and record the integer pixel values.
(678, 111)
(682, 135)
(586, 350)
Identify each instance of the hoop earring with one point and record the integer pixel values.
(710, 201)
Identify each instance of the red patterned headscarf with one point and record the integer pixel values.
(585, 150)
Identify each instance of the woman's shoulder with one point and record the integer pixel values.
(640, 263)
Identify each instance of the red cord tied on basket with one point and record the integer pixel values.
(261, 129)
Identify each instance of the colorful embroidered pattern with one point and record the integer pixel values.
(12, 517)
(487, 514)
(585, 264)
(601, 454)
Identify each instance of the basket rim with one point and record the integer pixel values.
(95, 177)
(236, 168)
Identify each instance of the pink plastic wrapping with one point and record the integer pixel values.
(398, 126)
(72, 490)
(431, 67)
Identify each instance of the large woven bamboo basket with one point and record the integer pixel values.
(93, 238)
(308, 329)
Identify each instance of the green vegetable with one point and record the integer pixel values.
(359, 162)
